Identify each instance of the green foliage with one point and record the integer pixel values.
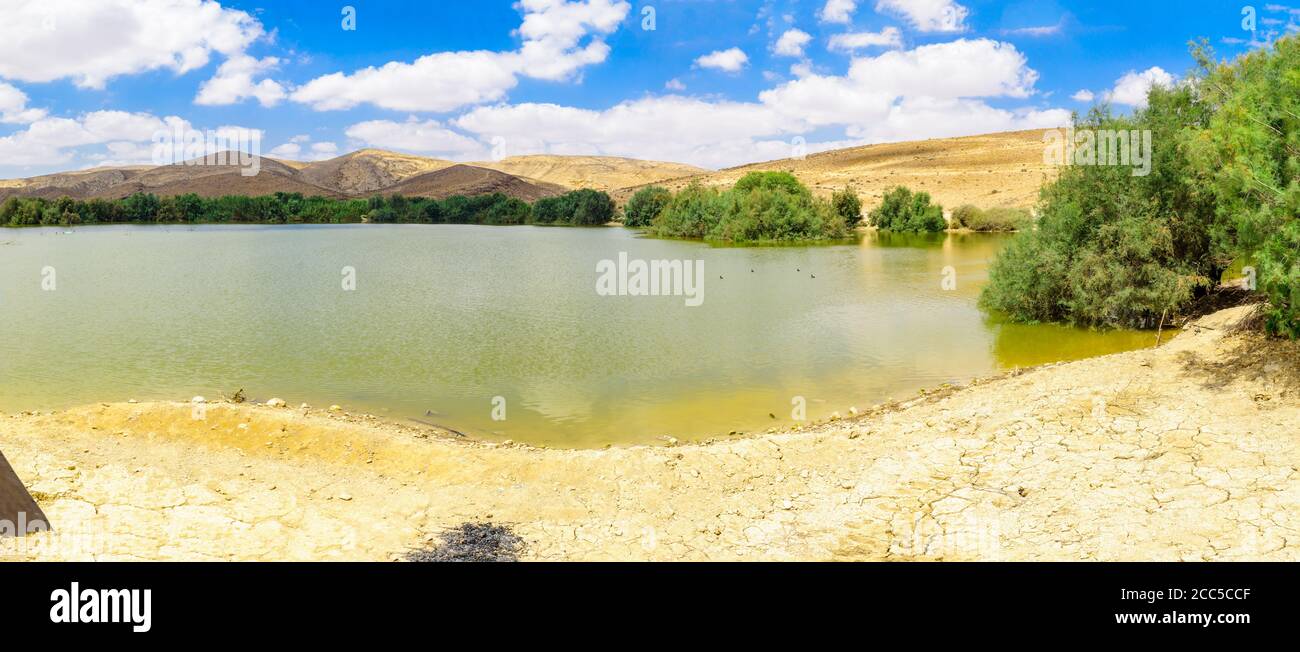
(991, 220)
(783, 182)
(576, 208)
(761, 207)
(645, 206)
(1249, 158)
(1113, 249)
(903, 210)
(848, 206)
(693, 213)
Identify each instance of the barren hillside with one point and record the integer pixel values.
(471, 181)
(368, 170)
(596, 172)
(1005, 169)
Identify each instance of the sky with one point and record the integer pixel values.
(713, 83)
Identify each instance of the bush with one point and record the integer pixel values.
(903, 210)
(761, 207)
(590, 208)
(645, 206)
(1113, 249)
(1249, 156)
(693, 213)
(848, 206)
(992, 220)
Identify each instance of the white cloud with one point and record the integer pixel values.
(928, 15)
(672, 128)
(234, 83)
(127, 139)
(1038, 30)
(293, 150)
(838, 11)
(92, 41)
(675, 85)
(792, 43)
(730, 60)
(13, 106)
(958, 69)
(427, 137)
(552, 31)
(889, 37)
(436, 82)
(1084, 95)
(920, 118)
(931, 91)
(1132, 88)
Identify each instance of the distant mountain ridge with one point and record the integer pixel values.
(989, 170)
(362, 173)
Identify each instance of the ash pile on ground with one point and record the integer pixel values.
(473, 542)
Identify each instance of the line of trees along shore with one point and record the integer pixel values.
(577, 208)
(761, 207)
(1114, 249)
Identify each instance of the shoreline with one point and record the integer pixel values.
(1178, 452)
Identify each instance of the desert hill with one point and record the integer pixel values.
(1004, 169)
(368, 170)
(595, 172)
(992, 170)
(470, 181)
(359, 174)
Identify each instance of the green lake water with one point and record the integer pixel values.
(443, 320)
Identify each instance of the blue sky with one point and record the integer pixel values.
(714, 83)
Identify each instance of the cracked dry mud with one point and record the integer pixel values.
(1185, 452)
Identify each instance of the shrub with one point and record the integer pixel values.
(645, 206)
(992, 220)
(1249, 156)
(848, 207)
(761, 207)
(693, 213)
(590, 207)
(903, 210)
(1113, 249)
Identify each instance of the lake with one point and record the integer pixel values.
(462, 325)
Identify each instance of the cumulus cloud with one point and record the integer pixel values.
(932, 91)
(127, 138)
(792, 43)
(730, 60)
(13, 106)
(958, 69)
(1132, 88)
(234, 83)
(1084, 95)
(300, 148)
(928, 15)
(673, 128)
(425, 137)
(889, 37)
(838, 11)
(93, 41)
(553, 48)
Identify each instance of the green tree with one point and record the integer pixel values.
(848, 206)
(903, 210)
(645, 206)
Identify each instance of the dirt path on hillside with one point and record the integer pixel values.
(1186, 452)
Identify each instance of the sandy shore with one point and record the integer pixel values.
(1186, 452)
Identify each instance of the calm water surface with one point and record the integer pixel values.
(446, 318)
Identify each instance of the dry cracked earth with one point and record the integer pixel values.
(1188, 451)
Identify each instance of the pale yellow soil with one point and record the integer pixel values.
(606, 173)
(989, 171)
(1186, 452)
